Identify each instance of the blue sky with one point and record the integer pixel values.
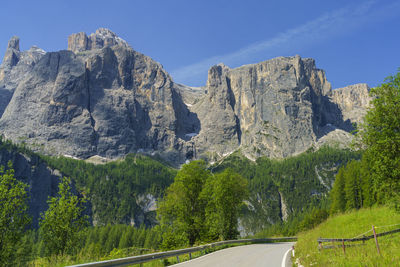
(353, 41)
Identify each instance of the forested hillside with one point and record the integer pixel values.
(126, 191)
(284, 197)
(280, 190)
(123, 191)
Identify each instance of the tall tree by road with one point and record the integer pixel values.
(61, 223)
(226, 190)
(381, 135)
(182, 208)
(13, 214)
(200, 206)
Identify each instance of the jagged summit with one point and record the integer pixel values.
(103, 37)
(13, 43)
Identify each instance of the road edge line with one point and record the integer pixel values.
(284, 258)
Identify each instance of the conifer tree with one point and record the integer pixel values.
(352, 186)
(338, 196)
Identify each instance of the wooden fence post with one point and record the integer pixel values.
(376, 240)
(344, 248)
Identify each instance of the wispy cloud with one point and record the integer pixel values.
(329, 25)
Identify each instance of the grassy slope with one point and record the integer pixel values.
(350, 225)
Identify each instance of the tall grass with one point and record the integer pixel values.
(349, 225)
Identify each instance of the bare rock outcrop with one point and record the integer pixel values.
(79, 42)
(353, 102)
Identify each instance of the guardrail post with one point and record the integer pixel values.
(177, 258)
(376, 240)
(190, 255)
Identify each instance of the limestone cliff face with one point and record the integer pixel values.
(104, 99)
(14, 68)
(100, 97)
(353, 101)
(275, 108)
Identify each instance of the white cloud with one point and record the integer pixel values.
(331, 24)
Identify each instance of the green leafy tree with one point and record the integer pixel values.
(227, 190)
(61, 224)
(13, 214)
(381, 135)
(183, 209)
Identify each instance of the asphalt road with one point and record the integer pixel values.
(250, 255)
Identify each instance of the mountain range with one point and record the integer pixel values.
(100, 97)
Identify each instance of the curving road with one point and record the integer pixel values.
(249, 255)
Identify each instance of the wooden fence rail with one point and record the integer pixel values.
(364, 238)
(176, 253)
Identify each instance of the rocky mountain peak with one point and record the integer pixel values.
(35, 49)
(13, 43)
(103, 37)
(11, 56)
(15, 67)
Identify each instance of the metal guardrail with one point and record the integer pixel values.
(167, 254)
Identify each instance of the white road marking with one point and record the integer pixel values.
(284, 258)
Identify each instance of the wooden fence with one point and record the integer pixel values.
(356, 239)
